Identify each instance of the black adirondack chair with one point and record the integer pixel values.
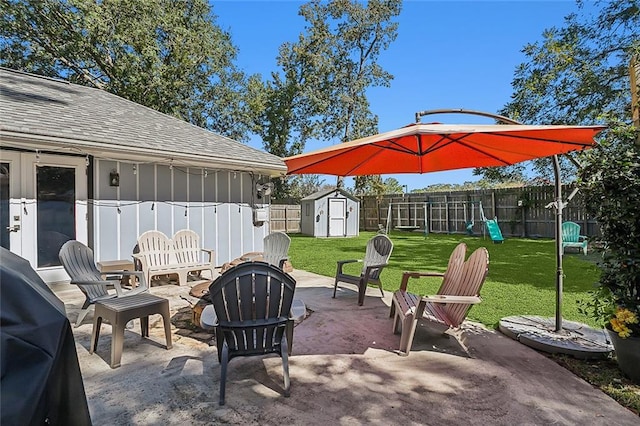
(252, 302)
(376, 257)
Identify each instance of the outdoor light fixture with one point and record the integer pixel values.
(114, 178)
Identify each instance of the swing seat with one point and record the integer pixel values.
(469, 228)
(407, 227)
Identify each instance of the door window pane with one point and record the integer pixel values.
(56, 198)
(4, 205)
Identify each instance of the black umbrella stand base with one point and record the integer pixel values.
(575, 339)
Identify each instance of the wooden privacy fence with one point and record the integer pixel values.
(521, 212)
(285, 218)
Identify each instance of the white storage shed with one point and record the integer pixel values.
(330, 213)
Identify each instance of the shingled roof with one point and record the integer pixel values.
(65, 117)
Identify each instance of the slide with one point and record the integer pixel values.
(494, 231)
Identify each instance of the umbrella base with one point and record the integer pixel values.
(575, 339)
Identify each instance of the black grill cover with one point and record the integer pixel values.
(41, 381)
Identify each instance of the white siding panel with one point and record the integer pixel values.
(180, 217)
(196, 212)
(209, 233)
(218, 206)
(164, 215)
(146, 217)
(223, 215)
(246, 227)
(128, 217)
(107, 231)
(164, 207)
(128, 229)
(235, 230)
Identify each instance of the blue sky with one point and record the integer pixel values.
(448, 54)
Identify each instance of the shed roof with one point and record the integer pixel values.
(325, 192)
(60, 116)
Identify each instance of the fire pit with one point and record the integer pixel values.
(201, 291)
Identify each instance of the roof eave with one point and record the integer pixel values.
(136, 154)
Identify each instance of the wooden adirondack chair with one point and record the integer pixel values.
(77, 260)
(252, 302)
(376, 257)
(460, 290)
(188, 252)
(571, 237)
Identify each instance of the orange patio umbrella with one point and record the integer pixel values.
(423, 148)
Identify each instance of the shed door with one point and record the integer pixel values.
(337, 217)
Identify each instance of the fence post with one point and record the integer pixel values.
(286, 224)
(446, 213)
(493, 204)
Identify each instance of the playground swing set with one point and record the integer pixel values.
(410, 221)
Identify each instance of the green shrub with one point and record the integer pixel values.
(610, 181)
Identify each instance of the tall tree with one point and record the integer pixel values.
(321, 91)
(305, 185)
(353, 35)
(282, 118)
(578, 74)
(392, 186)
(166, 54)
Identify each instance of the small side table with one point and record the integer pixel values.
(107, 266)
(120, 311)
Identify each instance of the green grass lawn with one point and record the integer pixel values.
(521, 278)
(521, 281)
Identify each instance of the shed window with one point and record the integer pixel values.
(307, 210)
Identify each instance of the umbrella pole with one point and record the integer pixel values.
(559, 206)
(558, 201)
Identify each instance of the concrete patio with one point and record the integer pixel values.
(343, 371)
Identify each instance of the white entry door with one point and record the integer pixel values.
(337, 219)
(43, 204)
(10, 214)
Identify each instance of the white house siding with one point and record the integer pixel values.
(219, 207)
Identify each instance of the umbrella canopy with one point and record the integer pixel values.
(423, 148)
